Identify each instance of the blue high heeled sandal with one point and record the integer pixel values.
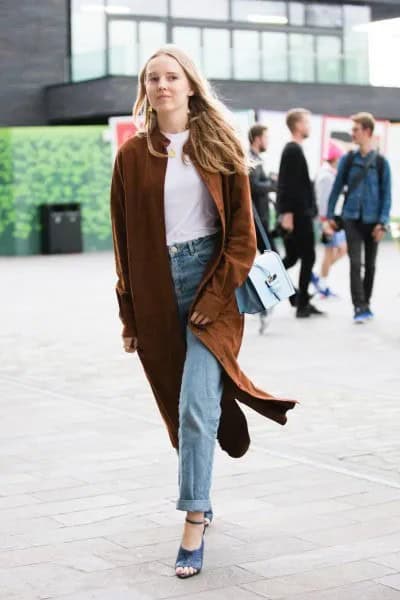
(190, 558)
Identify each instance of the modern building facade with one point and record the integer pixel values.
(78, 61)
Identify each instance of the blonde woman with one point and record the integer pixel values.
(184, 241)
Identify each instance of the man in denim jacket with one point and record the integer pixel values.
(365, 212)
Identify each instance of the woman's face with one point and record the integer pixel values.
(167, 86)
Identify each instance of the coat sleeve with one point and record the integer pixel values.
(126, 311)
(323, 186)
(260, 184)
(386, 194)
(288, 178)
(337, 187)
(238, 255)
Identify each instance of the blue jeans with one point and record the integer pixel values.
(201, 389)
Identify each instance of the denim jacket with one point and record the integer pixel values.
(369, 201)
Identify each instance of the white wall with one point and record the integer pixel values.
(279, 135)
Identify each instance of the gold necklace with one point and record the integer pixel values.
(171, 153)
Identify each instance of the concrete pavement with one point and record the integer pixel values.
(88, 478)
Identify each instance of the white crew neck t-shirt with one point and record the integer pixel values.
(190, 212)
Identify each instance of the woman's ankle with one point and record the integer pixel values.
(195, 516)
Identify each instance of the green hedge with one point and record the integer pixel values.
(53, 165)
(7, 208)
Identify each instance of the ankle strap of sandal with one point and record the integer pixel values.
(194, 522)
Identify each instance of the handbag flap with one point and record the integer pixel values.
(269, 275)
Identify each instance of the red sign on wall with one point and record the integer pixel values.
(122, 128)
(124, 131)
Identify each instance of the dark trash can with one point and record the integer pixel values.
(61, 228)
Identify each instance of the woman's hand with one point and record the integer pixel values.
(327, 228)
(130, 344)
(199, 319)
(333, 224)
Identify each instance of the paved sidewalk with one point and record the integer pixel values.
(88, 479)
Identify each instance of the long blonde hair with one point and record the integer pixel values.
(216, 147)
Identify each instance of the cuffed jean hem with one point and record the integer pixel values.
(194, 505)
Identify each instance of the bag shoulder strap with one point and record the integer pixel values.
(261, 229)
(347, 166)
(362, 174)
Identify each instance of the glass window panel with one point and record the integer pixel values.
(356, 15)
(329, 59)
(356, 61)
(204, 9)
(301, 55)
(217, 53)
(87, 39)
(152, 35)
(156, 8)
(123, 47)
(296, 13)
(189, 39)
(246, 55)
(274, 56)
(259, 11)
(324, 15)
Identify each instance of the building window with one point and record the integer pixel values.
(356, 66)
(329, 59)
(246, 55)
(88, 39)
(189, 39)
(216, 53)
(153, 8)
(296, 13)
(123, 58)
(336, 51)
(274, 56)
(152, 35)
(324, 15)
(259, 11)
(205, 9)
(301, 54)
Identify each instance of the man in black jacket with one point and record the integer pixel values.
(297, 207)
(261, 185)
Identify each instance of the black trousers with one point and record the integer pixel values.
(300, 245)
(359, 238)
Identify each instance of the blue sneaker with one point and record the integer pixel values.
(361, 315)
(327, 293)
(369, 313)
(315, 282)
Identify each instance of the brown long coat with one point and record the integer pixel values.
(145, 292)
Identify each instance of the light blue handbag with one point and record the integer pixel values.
(267, 283)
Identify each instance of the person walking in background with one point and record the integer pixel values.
(366, 210)
(184, 240)
(261, 185)
(335, 246)
(297, 208)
